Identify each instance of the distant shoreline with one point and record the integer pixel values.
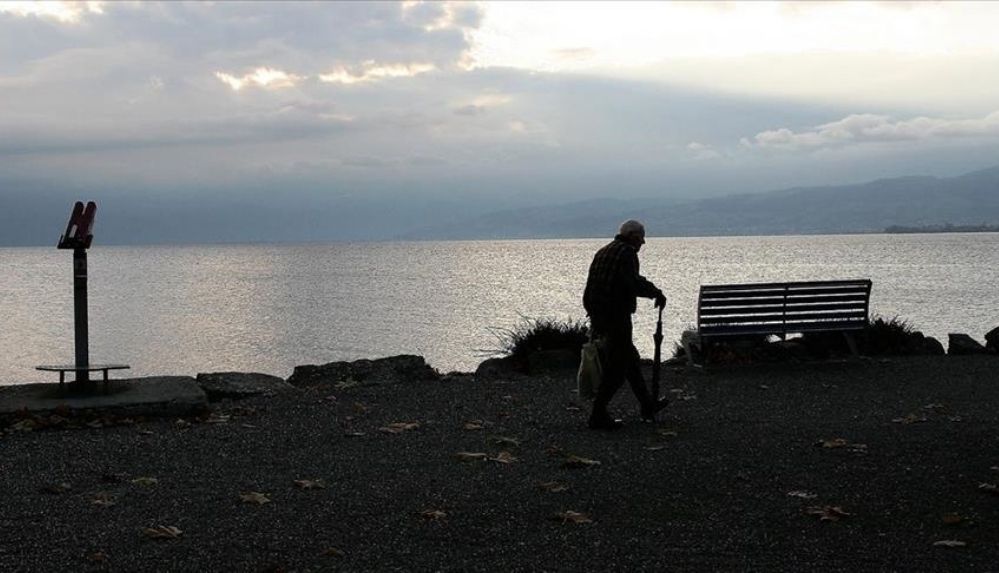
(945, 228)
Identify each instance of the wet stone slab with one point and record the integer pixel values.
(151, 396)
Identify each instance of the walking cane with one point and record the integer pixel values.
(658, 338)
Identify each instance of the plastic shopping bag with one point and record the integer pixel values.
(590, 372)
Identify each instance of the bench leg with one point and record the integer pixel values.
(850, 342)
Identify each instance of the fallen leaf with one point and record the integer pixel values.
(952, 519)
(182, 423)
(833, 443)
(97, 557)
(248, 426)
(333, 552)
(505, 441)
(163, 532)
(668, 433)
(103, 499)
(989, 488)
(949, 543)
(827, 512)
(399, 427)
(254, 497)
(802, 494)
(574, 461)
(910, 419)
(474, 425)
(574, 517)
(24, 426)
(553, 486)
(504, 457)
(95, 424)
(470, 456)
(145, 481)
(57, 488)
(310, 484)
(433, 514)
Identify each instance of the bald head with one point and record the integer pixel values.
(633, 232)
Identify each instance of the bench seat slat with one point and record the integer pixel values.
(756, 329)
(745, 309)
(789, 318)
(736, 301)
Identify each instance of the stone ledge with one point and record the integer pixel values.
(152, 396)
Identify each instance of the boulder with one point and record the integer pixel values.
(962, 344)
(402, 368)
(992, 340)
(552, 361)
(930, 346)
(493, 368)
(220, 385)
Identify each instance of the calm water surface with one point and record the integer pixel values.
(267, 308)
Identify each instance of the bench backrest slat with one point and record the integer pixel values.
(780, 308)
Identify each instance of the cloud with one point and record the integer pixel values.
(702, 151)
(261, 77)
(871, 128)
(63, 12)
(371, 71)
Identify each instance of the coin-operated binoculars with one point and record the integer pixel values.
(78, 236)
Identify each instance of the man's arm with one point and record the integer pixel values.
(643, 287)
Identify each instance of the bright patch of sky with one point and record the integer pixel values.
(513, 101)
(875, 52)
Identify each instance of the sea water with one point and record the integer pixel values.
(181, 310)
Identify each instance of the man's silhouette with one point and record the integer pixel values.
(612, 286)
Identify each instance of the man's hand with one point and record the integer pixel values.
(660, 300)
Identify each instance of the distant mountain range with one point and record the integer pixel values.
(915, 201)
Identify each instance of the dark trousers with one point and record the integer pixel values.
(619, 361)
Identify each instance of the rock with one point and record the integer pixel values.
(552, 361)
(992, 340)
(931, 347)
(402, 368)
(962, 344)
(219, 385)
(152, 396)
(492, 368)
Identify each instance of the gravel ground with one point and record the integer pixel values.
(724, 482)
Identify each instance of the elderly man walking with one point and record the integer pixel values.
(612, 286)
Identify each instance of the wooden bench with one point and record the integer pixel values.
(783, 308)
(62, 370)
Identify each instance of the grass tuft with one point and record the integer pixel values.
(538, 334)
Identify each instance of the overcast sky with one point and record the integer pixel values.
(503, 102)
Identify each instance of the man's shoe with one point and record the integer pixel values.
(649, 411)
(607, 423)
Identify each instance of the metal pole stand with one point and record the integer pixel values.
(80, 320)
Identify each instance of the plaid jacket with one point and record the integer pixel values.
(613, 282)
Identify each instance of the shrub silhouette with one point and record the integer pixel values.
(539, 334)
